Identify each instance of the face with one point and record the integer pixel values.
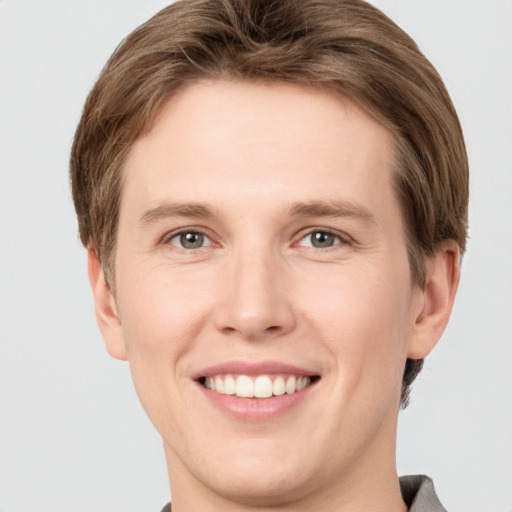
(261, 252)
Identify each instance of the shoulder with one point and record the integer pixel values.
(419, 494)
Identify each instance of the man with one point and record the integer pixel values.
(273, 196)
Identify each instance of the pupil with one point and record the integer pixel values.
(192, 240)
(322, 239)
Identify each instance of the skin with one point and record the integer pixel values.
(258, 290)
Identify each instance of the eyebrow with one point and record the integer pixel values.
(301, 209)
(164, 211)
(332, 209)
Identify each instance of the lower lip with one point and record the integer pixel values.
(256, 409)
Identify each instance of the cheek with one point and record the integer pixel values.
(157, 308)
(160, 318)
(363, 320)
(160, 323)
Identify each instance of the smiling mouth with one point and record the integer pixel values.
(260, 386)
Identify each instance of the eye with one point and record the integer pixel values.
(321, 239)
(190, 240)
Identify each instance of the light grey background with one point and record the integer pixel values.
(72, 433)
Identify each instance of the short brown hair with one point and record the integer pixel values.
(346, 46)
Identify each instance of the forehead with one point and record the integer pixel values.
(218, 140)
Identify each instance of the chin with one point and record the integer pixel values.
(261, 487)
(258, 473)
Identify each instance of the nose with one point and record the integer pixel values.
(256, 299)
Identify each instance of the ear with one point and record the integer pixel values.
(435, 300)
(106, 309)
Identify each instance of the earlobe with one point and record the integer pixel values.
(435, 299)
(106, 310)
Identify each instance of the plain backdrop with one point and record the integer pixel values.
(73, 436)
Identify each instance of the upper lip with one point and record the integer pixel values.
(253, 368)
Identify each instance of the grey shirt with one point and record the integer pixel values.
(419, 494)
(417, 490)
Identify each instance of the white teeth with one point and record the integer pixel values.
(244, 387)
(303, 382)
(261, 386)
(290, 385)
(219, 384)
(229, 385)
(279, 387)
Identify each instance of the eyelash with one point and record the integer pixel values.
(167, 240)
(342, 239)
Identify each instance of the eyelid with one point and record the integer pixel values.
(170, 235)
(342, 236)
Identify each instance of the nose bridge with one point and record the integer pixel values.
(255, 303)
